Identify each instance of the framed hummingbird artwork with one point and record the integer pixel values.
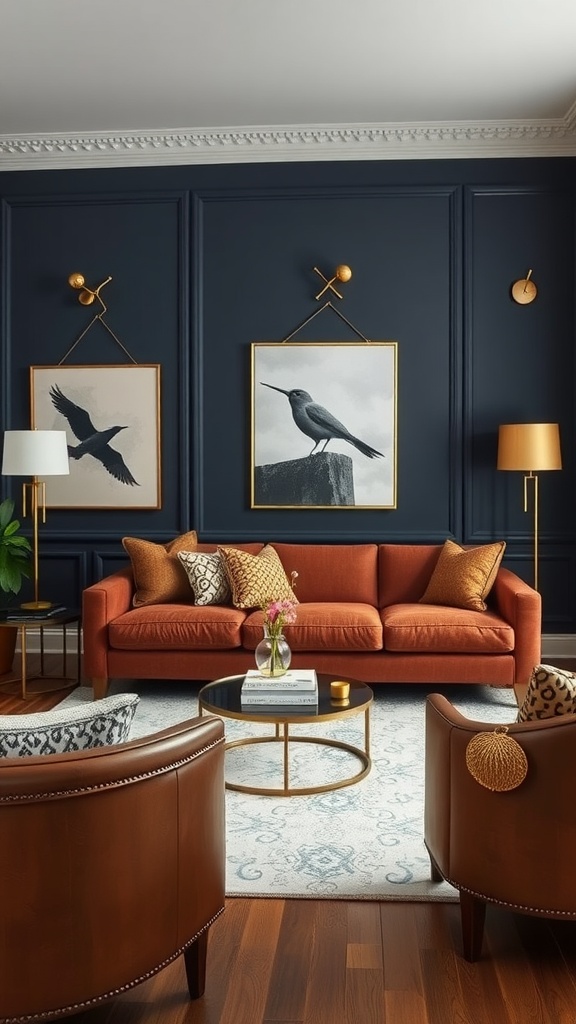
(111, 416)
(324, 424)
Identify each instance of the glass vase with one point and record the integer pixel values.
(273, 655)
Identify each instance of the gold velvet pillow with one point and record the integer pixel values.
(159, 577)
(255, 579)
(463, 577)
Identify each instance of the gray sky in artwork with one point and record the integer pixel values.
(354, 381)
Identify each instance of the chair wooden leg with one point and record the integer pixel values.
(100, 686)
(435, 873)
(195, 961)
(472, 914)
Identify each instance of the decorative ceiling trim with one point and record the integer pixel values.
(292, 143)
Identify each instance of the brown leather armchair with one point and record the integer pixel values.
(112, 865)
(513, 848)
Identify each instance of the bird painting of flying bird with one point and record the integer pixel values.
(321, 425)
(92, 442)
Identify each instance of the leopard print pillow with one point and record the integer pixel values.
(551, 692)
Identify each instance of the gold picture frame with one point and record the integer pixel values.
(111, 415)
(311, 396)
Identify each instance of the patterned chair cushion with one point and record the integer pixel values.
(551, 691)
(463, 577)
(96, 724)
(207, 577)
(256, 579)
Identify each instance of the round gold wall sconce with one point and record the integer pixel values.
(524, 290)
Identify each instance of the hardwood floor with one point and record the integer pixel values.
(341, 962)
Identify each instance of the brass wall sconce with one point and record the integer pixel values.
(342, 273)
(530, 448)
(87, 295)
(524, 290)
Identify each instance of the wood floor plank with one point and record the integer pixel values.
(365, 997)
(290, 971)
(402, 970)
(326, 984)
(247, 978)
(405, 1008)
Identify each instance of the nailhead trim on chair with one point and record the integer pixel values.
(85, 1004)
(32, 797)
(511, 906)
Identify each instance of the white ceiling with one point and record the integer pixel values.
(121, 81)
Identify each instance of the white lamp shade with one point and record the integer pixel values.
(35, 453)
(529, 447)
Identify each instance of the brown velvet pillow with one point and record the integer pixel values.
(463, 577)
(159, 577)
(255, 579)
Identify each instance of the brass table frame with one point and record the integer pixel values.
(282, 723)
(23, 625)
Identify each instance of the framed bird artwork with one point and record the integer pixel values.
(324, 424)
(111, 415)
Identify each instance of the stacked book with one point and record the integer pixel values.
(17, 614)
(296, 688)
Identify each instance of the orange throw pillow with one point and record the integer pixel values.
(159, 577)
(463, 577)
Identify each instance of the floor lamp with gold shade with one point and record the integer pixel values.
(530, 448)
(35, 453)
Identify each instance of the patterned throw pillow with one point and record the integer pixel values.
(463, 577)
(207, 577)
(255, 579)
(98, 723)
(158, 575)
(551, 691)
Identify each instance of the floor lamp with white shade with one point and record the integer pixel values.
(35, 453)
(530, 448)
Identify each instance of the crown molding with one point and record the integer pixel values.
(445, 140)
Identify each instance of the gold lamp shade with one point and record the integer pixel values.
(529, 447)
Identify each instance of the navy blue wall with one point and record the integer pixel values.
(206, 260)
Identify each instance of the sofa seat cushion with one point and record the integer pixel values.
(438, 629)
(323, 626)
(177, 627)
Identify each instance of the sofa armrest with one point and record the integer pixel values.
(521, 606)
(101, 603)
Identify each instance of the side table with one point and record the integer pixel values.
(25, 624)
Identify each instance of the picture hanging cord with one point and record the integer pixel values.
(327, 305)
(86, 297)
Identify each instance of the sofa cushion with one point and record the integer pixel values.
(207, 577)
(463, 577)
(551, 692)
(63, 729)
(158, 575)
(438, 629)
(322, 626)
(177, 627)
(333, 572)
(255, 579)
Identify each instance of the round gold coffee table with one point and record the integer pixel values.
(223, 697)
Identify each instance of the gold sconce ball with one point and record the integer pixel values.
(76, 281)
(343, 273)
(86, 298)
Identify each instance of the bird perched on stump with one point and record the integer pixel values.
(92, 442)
(319, 424)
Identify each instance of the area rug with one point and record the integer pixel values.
(364, 841)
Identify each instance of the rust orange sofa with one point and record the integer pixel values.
(359, 616)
